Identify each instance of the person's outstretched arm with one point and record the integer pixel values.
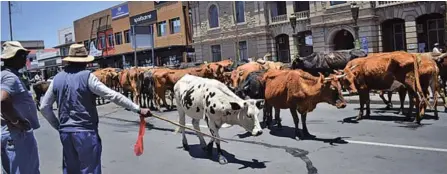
(98, 88)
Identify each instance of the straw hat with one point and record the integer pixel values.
(10, 49)
(78, 53)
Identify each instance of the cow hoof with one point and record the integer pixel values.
(358, 118)
(308, 135)
(222, 160)
(186, 147)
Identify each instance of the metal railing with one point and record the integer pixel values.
(279, 18)
(302, 15)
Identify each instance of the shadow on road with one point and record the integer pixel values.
(289, 132)
(196, 152)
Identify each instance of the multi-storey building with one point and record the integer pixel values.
(252, 29)
(110, 32)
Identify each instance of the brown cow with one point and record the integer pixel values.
(298, 90)
(241, 72)
(40, 88)
(165, 79)
(379, 72)
(428, 72)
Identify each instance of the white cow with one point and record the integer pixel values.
(209, 99)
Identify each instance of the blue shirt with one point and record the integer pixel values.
(21, 98)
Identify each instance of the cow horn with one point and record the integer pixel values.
(327, 78)
(340, 76)
(353, 66)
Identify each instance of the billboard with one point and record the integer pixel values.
(66, 35)
(120, 11)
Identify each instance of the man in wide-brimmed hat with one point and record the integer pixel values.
(18, 113)
(74, 89)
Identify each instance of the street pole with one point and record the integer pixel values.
(10, 20)
(153, 45)
(355, 15)
(135, 46)
(292, 19)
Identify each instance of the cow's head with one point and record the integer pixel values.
(248, 112)
(348, 81)
(331, 90)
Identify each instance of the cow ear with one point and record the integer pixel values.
(235, 106)
(260, 104)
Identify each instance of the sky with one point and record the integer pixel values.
(33, 20)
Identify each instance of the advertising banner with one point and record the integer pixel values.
(120, 11)
(364, 44)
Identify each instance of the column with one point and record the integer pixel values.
(410, 32)
(273, 49)
(292, 45)
(289, 7)
(379, 31)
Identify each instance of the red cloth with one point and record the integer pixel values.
(139, 147)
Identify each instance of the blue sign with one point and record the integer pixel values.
(364, 44)
(120, 11)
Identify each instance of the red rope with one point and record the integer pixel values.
(139, 147)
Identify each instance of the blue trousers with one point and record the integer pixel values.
(19, 152)
(82, 152)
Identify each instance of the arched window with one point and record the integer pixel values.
(213, 16)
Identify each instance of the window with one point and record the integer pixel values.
(299, 6)
(240, 7)
(118, 38)
(110, 40)
(174, 24)
(102, 41)
(215, 50)
(337, 2)
(161, 29)
(95, 42)
(242, 47)
(213, 16)
(126, 36)
(399, 36)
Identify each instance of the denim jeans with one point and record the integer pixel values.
(82, 152)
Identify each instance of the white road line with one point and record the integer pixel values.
(380, 144)
(397, 145)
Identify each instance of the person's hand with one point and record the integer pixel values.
(145, 112)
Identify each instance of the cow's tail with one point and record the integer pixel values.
(420, 92)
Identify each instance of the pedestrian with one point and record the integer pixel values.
(74, 89)
(19, 151)
(436, 49)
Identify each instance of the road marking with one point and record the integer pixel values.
(397, 145)
(381, 144)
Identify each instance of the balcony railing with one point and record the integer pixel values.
(279, 18)
(388, 3)
(301, 15)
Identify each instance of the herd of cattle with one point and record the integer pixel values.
(228, 92)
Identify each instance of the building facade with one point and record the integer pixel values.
(109, 33)
(252, 29)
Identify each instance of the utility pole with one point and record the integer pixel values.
(10, 22)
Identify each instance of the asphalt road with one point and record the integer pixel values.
(384, 144)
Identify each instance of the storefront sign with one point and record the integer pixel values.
(148, 17)
(120, 11)
(51, 62)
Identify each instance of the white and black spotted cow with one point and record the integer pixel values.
(209, 99)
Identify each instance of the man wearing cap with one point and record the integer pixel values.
(18, 114)
(74, 89)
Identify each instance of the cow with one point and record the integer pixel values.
(209, 99)
(40, 88)
(253, 87)
(442, 64)
(428, 72)
(325, 63)
(298, 90)
(147, 90)
(379, 72)
(242, 72)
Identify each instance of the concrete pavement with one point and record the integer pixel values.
(384, 144)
